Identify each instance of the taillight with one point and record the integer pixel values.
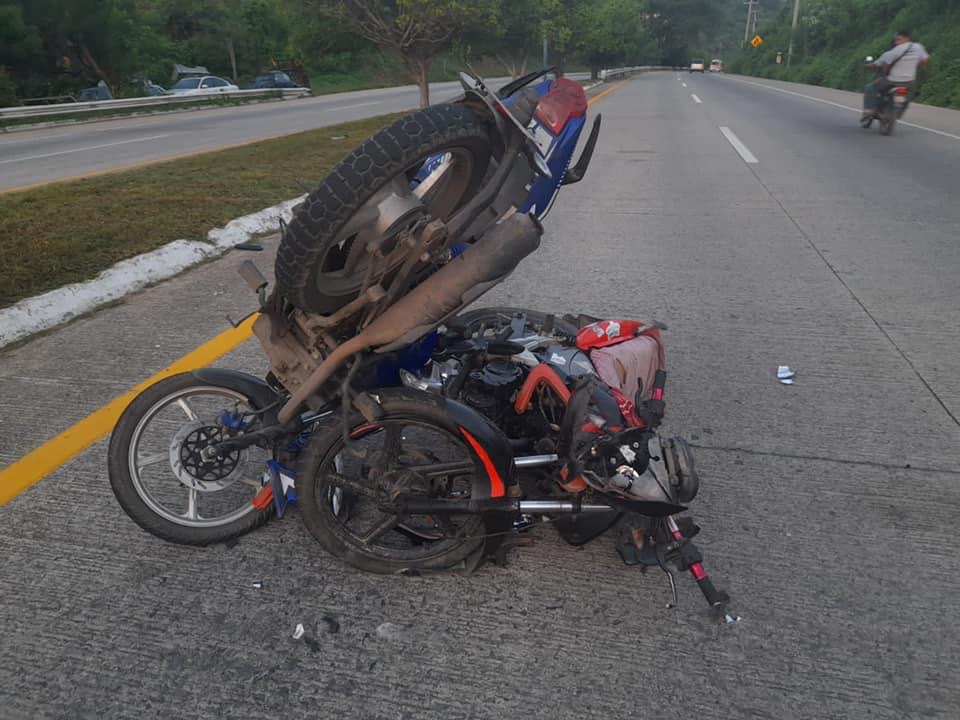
(565, 99)
(902, 91)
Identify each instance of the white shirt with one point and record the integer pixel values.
(910, 56)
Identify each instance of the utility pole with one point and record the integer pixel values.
(793, 29)
(750, 18)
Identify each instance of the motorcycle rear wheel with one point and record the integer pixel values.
(888, 119)
(318, 269)
(350, 522)
(159, 476)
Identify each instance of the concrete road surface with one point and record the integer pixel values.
(791, 237)
(43, 155)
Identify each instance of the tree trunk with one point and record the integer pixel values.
(420, 68)
(232, 53)
(87, 59)
(516, 65)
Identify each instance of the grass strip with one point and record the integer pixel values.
(69, 232)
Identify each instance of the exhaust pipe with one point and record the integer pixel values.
(465, 278)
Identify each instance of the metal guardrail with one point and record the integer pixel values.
(143, 102)
(624, 71)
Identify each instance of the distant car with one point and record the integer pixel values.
(100, 91)
(716, 65)
(202, 85)
(274, 79)
(696, 66)
(151, 89)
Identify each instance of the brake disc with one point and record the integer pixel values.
(193, 463)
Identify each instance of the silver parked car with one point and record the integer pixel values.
(202, 85)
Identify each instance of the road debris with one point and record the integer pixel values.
(390, 631)
(785, 375)
(299, 632)
(258, 584)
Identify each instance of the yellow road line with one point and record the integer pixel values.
(606, 92)
(36, 465)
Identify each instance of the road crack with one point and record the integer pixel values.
(825, 458)
(856, 299)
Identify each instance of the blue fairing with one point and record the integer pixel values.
(544, 189)
(411, 358)
(559, 154)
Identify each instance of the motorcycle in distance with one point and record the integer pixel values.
(413, 436)
(894, 101)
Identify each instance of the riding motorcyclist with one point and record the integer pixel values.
(897, 66)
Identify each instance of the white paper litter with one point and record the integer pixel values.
(785, 373)
(299, 632)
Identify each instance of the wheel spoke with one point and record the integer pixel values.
(192, 513)
(440, 469)
(388, 523)
(347, 484)
(391, 446)
(152, 459)
(188, 411)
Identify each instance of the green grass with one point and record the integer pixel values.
(70, 231)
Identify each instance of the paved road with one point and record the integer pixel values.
(39, 156)
(827, 506)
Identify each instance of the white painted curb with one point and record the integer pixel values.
(58, 306)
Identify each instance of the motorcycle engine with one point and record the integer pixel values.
(490, 389)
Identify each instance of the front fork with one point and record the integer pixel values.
(657, 543)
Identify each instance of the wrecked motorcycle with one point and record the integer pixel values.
(414, 436)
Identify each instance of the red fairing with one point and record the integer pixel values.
(565, 99)
(610, 332)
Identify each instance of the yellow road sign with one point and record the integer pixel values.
(757, 41)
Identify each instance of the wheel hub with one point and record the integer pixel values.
(195, 462)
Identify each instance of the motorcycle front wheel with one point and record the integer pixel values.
(345, 491)
(161, 475)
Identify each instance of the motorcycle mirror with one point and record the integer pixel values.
(468, 82)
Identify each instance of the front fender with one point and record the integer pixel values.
(486, 442)
(253, 387)
(489, 445)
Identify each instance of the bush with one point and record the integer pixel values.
(846, 31)
(8, 91)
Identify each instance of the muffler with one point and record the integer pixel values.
(461, 281)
